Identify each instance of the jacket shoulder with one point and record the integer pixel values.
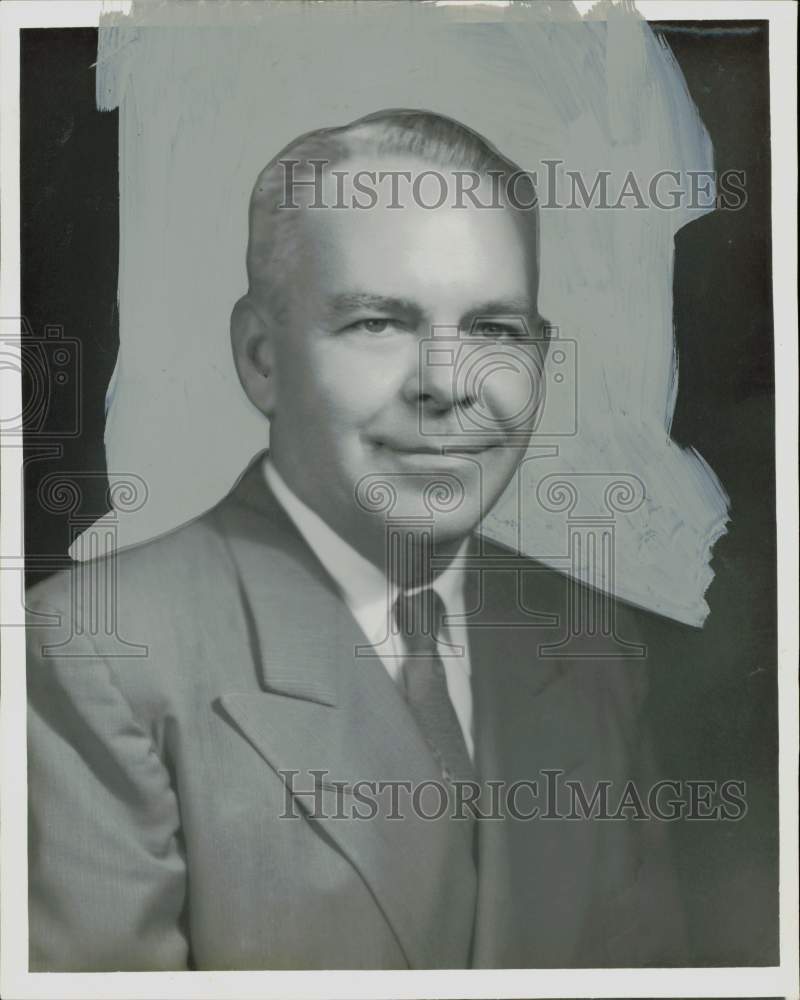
(139, 624)
(553, 589)
(156, 567)
(601, 642)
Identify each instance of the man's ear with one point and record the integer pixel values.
(253, 352)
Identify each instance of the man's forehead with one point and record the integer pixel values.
(392, 247)
(375, 180)
(397, 194)
(392, 226)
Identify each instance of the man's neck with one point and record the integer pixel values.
(405, 557)
(410, 561)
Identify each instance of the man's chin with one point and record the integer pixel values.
(415, 551)
(439, 527)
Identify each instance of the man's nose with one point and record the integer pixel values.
(432, 384)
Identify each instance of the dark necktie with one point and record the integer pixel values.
(418, 618)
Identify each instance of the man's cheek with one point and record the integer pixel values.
(512, 397)
(350, 384)
(356, 403)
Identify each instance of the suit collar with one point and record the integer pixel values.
(282, 582)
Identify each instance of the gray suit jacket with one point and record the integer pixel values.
(159, 836)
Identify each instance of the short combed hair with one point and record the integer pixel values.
(432, 138)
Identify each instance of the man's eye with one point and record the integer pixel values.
(492, 328)
(372, 325)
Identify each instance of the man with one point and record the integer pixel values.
(332, 640)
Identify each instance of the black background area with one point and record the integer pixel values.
(714, 693)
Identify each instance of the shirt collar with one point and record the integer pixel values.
(364, 587)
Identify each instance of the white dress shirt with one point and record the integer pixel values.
(370, 596)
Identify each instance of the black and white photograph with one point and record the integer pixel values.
(399, 495)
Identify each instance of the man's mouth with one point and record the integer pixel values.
(428, 448)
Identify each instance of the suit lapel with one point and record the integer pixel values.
(323, 708)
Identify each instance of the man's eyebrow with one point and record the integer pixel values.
(500, 307)
(347, 302)
(362, 301)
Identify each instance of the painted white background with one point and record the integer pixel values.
(202, 109)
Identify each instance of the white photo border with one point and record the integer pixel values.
(781, 981)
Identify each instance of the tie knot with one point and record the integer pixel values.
(419, 616)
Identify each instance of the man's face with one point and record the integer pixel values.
(362, 390)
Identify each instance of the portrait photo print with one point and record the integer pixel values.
(399, 566)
